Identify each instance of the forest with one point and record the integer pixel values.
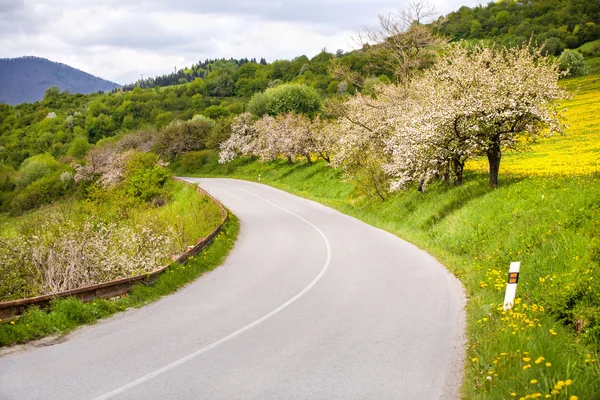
(558, 23)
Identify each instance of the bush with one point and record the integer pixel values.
(193, 160)
(17, 279)
(78, 148)
(138, 161)
(287, 98)
(43, 191)
(35, 168)
(58, 251)
(554, 46)
(573, 62)
(216, 112)
(147, 184)
(179, 137)
(258, 104)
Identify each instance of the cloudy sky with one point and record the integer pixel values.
(120, 39)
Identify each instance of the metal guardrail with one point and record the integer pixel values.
(9, 309)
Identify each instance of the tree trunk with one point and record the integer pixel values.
(308, 159)
(421, 183)
(290, 160)
(494, 154)
(458, 167)
(446, 176)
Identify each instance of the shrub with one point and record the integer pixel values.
(287, 98)
(17, 277)
(35, 168)
(216, 112)
(147, 184)
(179, 137)
(138, 161)
(56, 252)
(78, 148)
(193, 160)
(43, 191)
(573, 62)
(258, 104)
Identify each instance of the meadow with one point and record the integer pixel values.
(545, 214)
(577, 152)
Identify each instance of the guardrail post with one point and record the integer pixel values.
(511, 285)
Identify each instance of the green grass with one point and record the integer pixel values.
(593, 65)
(589, 48)
(65, 315)
(550, 224)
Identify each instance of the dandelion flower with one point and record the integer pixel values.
(568, 382)
(548, 364)
(533, 381)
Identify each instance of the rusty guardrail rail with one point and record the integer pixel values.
(117, 287)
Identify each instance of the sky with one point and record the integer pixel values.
(119, 40)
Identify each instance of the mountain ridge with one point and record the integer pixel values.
(26, 79)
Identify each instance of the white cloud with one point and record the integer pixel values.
(118, 40)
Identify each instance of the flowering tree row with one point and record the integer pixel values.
(474, 101)
(288, 135)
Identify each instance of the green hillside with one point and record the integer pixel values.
(560, 24)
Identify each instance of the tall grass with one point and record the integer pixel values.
(67, 314)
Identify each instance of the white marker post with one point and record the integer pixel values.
(511, 286)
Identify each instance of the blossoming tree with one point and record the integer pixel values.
(502, 97)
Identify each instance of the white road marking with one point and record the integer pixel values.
(211, 346)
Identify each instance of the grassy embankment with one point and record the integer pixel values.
(202, 216)
(546, 214)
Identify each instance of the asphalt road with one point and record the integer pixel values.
(311, 304)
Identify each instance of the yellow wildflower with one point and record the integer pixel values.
(568, 382)
(533, 381)
(548, 364)
(539, 360)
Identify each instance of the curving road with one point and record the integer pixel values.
(311, 304)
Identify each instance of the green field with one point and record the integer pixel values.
(547, 346)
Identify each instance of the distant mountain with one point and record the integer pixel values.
(26, 79)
